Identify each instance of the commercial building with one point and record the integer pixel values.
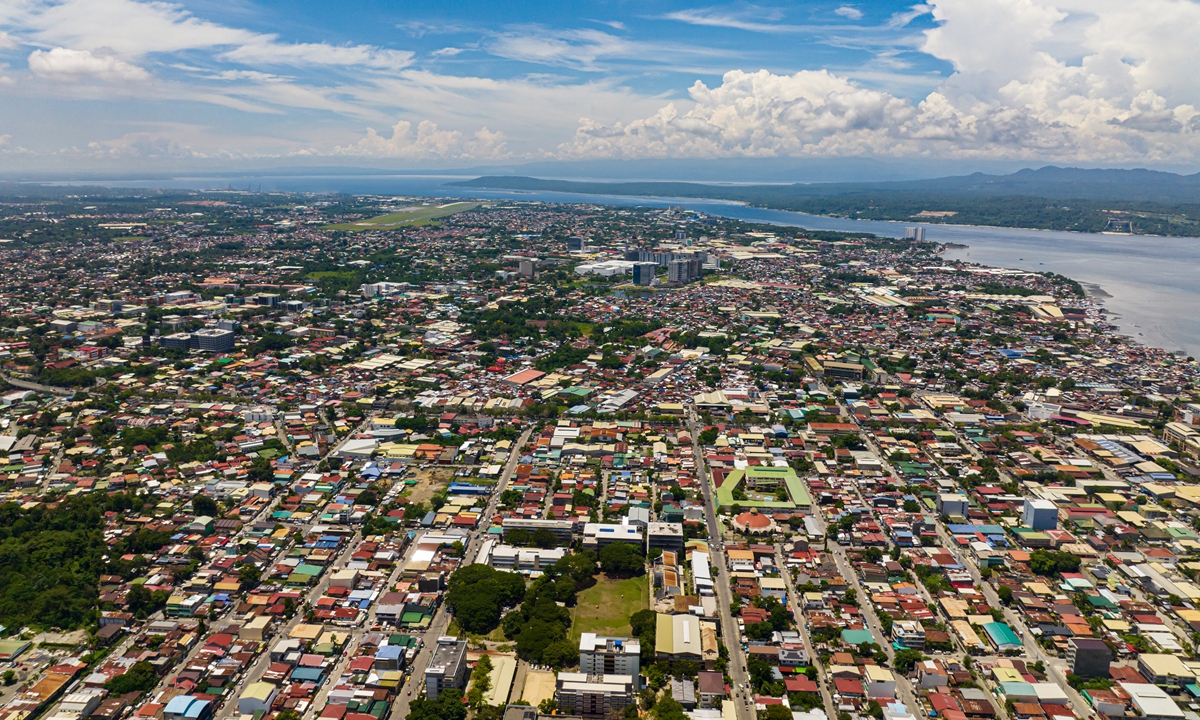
(953, 504)
(1089, 657)
(574, 244)
(1151, 702)
(601, 655)
(527, 267)
(448, 666)
(593, 695)
(1164, 669)
(643, 273)
(909, 633)
(664, 536)
(213, 340)
(187, 707)
(1040, 514)
(600, 535)
(562, 529)
(180, 340)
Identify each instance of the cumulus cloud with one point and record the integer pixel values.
(427, 143)
(66, 64)
(848, 11)
(1075, 80)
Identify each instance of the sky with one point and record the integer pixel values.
(131, 85)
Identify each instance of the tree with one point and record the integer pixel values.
(204, 505)
(1005, 593)
(448, 706)
(548, 706)
(622, 560)
(477, 594)
(905, 660)
(708, 436)
(140, 678)
(1051, 562)
(776, 712)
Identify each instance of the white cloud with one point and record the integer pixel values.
(6, 41)
(446, 52)
(135, 29)
(848, 11)
(427, 143)
(1074, 80)
(66, 64)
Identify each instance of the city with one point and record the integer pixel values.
(293, 457)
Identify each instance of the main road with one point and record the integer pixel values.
(743, 697)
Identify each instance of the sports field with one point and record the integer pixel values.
(605, 607)
(416, 215)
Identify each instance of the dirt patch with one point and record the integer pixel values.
(428, 483)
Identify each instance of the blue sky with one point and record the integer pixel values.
(132, 85)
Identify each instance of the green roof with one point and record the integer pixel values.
(857, 637)
(1002, 636)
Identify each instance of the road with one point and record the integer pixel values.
(743, 697)
(441, 619)
(903, 686)
(797, 607)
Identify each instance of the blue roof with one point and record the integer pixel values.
(389, 652)
(179, 704)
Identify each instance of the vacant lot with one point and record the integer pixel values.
(430, 481)
(417, 215)
(605, 607)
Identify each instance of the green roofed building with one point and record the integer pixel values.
(857, 637)
(760, 483)
(1002, 637)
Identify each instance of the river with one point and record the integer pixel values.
(1149, 284)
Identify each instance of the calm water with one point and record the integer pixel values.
(1151, 282)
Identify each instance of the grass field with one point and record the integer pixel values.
(417, 215)
(605, 607)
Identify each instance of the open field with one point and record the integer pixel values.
(430, 481)
(417, 215)
(605, 607)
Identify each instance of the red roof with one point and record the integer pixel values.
(846, 686)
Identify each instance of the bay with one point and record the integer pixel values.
(1148, 283)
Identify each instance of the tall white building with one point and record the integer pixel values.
(600, 655)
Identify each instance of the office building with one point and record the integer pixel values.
(1040, 514)
(664, 536)
(448, 666)
(562, 529)
(265, 299)
(177, 340)
(916, 234)
(593, 695)
(953, 504)
(643, 273)
(600, 535)
(1088, 657)
(527, 267)
(600, 655)
(574, 244)
(213, 340)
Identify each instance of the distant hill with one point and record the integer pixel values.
(1053, 198)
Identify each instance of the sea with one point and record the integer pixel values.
(1150, 285)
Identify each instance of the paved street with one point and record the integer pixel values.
(743, 698)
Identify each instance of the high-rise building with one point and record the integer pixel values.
(600, 655)
(643, 273)
(213, 340)
(681, 235)
(527, 267)
(448, 666)
(574, 244)
(593, 695)
(679, 271)
(916, 234)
